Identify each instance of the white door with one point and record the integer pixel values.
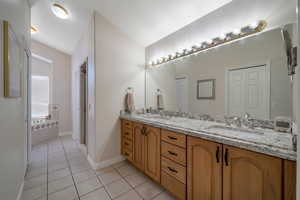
(182, 94)
(248, 91)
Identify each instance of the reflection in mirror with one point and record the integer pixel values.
(250, 76)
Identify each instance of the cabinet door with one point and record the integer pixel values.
(204, 170)
(250, 176)
(152, 153)
(138, 146)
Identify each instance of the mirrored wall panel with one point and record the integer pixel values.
(245, 76)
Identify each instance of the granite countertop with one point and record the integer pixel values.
(267, 141)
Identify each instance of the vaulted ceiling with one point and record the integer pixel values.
(145, 21)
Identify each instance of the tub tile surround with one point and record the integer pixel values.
(270, 142)
(72, 178)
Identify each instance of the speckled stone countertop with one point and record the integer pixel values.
(270, 142)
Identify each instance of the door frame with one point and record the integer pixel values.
(268, 83)
(84, 147)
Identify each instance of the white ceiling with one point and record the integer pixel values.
(55, 32)
(145, 21)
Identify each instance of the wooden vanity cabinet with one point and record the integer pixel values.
(146, 149)
(204, 178)
(152, 152)
(197, 169)
(251, 176)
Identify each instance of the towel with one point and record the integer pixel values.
(160, 102)
(129, 102)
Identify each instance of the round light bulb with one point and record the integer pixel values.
(60, 11)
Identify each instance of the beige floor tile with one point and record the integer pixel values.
(136, 179)
(88, 186)
(104, 170)
(131, 195)
(35, 181)
(58, 174)
(84, 175)
(120, 164)
(164, 196)
(109, 176)
(56, 166)
(80, 167)
(127, 170)
(33, 172)
(66, 194)
(35, 193)
(117, 188)
(60, 184)
(149, 190)
(99, 194)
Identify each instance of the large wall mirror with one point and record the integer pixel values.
(249, 76)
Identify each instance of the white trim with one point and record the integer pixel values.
(267, 64)
(104, 163)
(64, 133)
(20, 191)
(42, 58)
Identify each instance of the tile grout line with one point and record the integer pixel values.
(69, 166)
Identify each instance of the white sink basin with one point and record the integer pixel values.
(236, 129)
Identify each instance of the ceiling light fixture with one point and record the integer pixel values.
(60, 11)
(33, 30)
(211, 43)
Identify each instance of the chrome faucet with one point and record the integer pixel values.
(248, 121)
(237, 121)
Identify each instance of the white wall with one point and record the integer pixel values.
(119, 64)
(12, 122)
(236, 14)
(84, 50)
(61, 84)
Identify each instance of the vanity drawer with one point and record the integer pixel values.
(174, 186)
(127, 133)
(173, 152)
(127, 144)
(174, 169)
(126, 124)
(174, 138)
(128, 154)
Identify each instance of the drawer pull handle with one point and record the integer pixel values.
(126, 133)
(172, 170)
(172, 153)
(126, 154)
(126, 143)
(127, 124)
(172, 138)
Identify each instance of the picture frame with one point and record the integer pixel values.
(206, 89)
(11, 61)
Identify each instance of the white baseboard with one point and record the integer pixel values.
(20, 191)
(64, 133)
(105, 163)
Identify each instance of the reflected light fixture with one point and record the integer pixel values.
(33, 30)
(250, 29)
(60, 11)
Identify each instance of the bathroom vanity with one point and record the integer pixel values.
(194, 161)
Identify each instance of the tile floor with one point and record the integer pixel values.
(60, 171)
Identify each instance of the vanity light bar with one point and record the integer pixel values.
(224, 38)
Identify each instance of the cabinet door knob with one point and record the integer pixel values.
(172, 153)
(172, 138)
(172, 170)
(126, 154)
(226, 157)
(217, 154)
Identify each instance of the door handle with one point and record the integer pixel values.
(226, 157)
(217, 154)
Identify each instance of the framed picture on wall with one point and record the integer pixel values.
(11, 62)
(206, 89)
